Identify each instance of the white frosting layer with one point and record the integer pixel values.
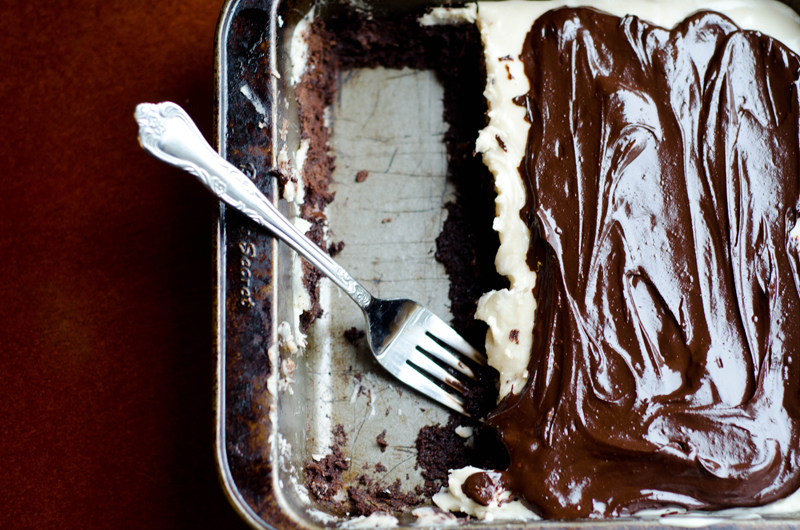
(299, 47)
(500, 508)
(428, 517)
(376, 520)
(504, 26)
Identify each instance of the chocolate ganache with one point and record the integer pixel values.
(662, 175)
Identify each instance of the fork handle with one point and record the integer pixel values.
(168, 133)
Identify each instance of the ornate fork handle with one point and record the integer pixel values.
(168, 133)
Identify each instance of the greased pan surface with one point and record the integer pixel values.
(388, 123)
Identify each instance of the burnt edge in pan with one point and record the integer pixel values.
(245, 302)
(245, 305)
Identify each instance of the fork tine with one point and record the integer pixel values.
(422, 384)
(435, 371)
(431, 347)
(447, 335)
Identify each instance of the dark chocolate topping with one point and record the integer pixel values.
(484, 488)
(662, 170)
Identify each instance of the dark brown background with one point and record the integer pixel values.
(105, 271)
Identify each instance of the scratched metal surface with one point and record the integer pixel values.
(389, 123)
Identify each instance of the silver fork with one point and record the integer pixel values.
(409, 341)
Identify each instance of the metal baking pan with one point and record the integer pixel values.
(269, 424)
(268, 428)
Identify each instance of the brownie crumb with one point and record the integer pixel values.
(362, 175)
(324, 477)
(381, 439)
(440, 449)
(354, 334)
(339, 436)
(513, 336)
(372, 497)
(316, 90)
(335, 248)
(481, 398)
(366, 495)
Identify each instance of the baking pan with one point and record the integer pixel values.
(269, 425)
(274, 416)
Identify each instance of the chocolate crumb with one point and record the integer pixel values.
(366, 496)
(316, 90)
(335, 248)
(354, 334)
(324, 477)
(339, 436)
(381, 439)
(362, 175)
(514, 336)
(376, 497)
(501, 142)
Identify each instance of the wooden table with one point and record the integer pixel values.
(105, 271)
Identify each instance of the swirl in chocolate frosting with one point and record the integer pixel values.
(662, 172)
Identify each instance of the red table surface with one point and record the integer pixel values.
(106, 388)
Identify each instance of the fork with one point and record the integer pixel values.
(409, 341)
